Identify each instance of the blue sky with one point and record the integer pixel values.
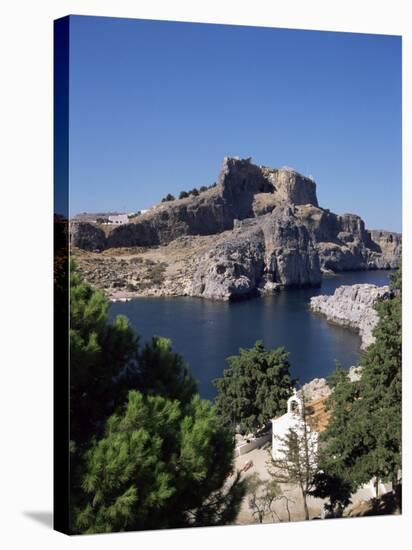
(155, 106)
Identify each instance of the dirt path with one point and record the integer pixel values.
(260, 457)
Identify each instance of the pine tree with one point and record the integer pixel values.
(163, 372)
(99, 351)
(381, 393)
(169, 197)
(363, 438)
(146, 451)
(297, 459)
(334, 480)
(254, 388)
(159, 466)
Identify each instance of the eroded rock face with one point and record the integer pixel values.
(317, 388)
(344, 244)
(87, 236)
(232, 269)
(291, 187)
(291, 257)
(241, 181)
(215, 210)
(143, 233)
(385, 249)
(259, 255)
(269, 228)
(352, 305)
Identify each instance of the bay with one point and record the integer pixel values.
(205, 332)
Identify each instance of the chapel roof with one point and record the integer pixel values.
(316, 414)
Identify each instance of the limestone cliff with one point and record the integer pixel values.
(385, 249)
(259, 255)
(87, 236)
(352, 305)
(240, 186)
(268, 228)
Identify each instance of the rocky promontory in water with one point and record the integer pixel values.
(352, 305)
(259, 229)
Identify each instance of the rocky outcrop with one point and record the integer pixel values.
(241, 182)
(353, 306)
(240, 185)
(355, 373)
(385, 249)
(232, 269)
(87, 236)
(344, 244)
(259, 255)
(270, 232)
(317, 388)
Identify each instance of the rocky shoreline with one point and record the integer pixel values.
(258, 230)
(352, 306)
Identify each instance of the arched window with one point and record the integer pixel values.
(294, 407)
(294, 404)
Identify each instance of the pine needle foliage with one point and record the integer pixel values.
(363, 439)
(254, 388)
(99, 351)
(146, 451)
(159, 466)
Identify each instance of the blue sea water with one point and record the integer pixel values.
(206, 332)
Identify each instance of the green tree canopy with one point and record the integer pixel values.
(381, 391)
(146, 451)
(164, 372)
(254, 388)
(99, 351)
(169, 197)
(363, 438)
(335, 480)
(107, 362)
(159, 466)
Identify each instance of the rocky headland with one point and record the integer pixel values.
(352, 306)
(258, 230)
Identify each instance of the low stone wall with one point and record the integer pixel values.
(254, 443)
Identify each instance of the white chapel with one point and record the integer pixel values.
(293, 419)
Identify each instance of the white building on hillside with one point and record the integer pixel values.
(293, 419)
(119, 219)
(316, 418)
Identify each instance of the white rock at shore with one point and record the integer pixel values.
(355, 373)
(353, 306)
(315, 389)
